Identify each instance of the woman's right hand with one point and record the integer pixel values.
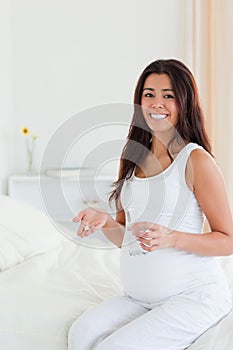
(91, 220)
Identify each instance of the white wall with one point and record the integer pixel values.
(68, 56)
(6, 120)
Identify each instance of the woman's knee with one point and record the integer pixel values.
(74, 335)
(82, 333)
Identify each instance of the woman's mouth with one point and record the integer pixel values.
(158, 116)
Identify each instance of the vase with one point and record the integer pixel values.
(30, 163)
(30, 155)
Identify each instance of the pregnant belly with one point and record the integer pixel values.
(158, 275)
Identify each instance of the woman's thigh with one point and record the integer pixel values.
(104, 319)
(173, 325)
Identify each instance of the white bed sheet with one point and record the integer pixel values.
(41, 297)
(43, 292)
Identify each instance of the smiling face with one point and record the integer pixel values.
(158, 102)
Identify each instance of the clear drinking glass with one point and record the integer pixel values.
(134, 246)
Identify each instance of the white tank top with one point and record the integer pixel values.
(167, 200)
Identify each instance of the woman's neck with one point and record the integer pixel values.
(160, 146)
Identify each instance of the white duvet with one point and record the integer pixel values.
(47, 281)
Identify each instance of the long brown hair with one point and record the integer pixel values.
(190, 126)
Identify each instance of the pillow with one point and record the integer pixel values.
(9, 254)
(24, 232)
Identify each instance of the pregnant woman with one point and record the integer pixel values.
(174, 289)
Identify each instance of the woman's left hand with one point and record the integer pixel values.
(153, 236)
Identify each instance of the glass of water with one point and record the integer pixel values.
(134, 246)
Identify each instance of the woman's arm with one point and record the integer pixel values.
(92, 219)
(114, 229)
(210, 191)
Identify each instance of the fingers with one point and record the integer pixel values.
(156, 239)
(87, 227)
(79, 217)
(83, 229)
(148, 242)
(76, 219)
(90, 220)
(143, 229)
(147, 235)
(149, 249)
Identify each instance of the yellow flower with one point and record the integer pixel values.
(25, 131)
(30, 146)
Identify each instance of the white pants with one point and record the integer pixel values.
(123, 323)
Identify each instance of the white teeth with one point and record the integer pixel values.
(158, 116)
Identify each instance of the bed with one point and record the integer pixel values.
(47, 281)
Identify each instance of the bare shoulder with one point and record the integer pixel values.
(200, 155)
(203, 163)
(201, 168)
(206, 174)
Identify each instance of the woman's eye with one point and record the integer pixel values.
(169, 96)
(148, 95)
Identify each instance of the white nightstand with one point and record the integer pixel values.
(61, 198)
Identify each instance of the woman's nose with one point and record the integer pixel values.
(157, 104)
